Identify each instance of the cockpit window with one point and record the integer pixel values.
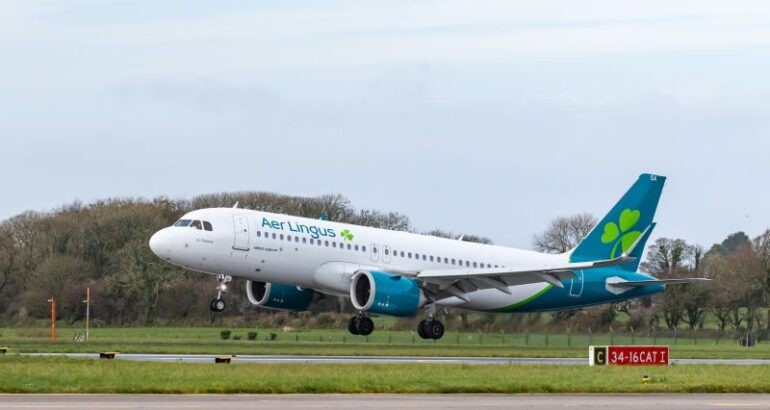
(207, 226)
(182, 222)
(196, 225)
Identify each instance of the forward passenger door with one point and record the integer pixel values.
(241, 227)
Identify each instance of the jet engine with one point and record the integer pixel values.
(387, 293)
(277, 296)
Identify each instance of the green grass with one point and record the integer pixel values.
(202, 340)
(62, 375)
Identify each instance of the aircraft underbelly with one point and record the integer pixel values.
(491, 299)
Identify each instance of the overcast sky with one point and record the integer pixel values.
(487, 117)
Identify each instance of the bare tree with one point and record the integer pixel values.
(564, 233)
(465, 237)
(666, 255)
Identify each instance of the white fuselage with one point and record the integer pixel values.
(323, 255)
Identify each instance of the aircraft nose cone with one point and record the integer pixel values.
(158, 242)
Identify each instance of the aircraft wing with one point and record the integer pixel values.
(457, 282)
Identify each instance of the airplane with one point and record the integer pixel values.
(287, 260)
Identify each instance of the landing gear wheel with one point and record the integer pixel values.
(365, 326)
(217, 305)
(435, 329)
(353, 325)
(422, 329)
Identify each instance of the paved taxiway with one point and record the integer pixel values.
(203, 358)
(386, 401)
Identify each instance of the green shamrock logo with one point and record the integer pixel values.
(346, 235)
(623, 235)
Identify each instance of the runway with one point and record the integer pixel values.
(404, 401)
(207, 358)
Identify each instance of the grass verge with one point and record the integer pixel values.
(62, 375)
(206, 340)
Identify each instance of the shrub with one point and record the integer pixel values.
(237, 337)
(225, 334)
(252, 335)
(273, 336)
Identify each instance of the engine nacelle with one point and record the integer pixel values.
(277, 296)
(382, 292)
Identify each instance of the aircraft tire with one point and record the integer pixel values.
(217, 305)
(435, 329)
(353, 325)
(422, 329)
(365, 326)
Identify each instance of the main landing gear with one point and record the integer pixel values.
(360, 325)
(218, 304)
(430, 328)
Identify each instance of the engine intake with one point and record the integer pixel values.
(387, 293)
(277, 296)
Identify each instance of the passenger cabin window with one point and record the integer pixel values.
(207, 226)
(182, 222)
(196, 225)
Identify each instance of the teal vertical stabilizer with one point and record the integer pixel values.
(630, 221)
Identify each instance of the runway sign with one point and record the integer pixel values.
(628, 355)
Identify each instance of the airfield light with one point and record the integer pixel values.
(645, 378)
(52, 301)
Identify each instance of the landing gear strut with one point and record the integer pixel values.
(218, 304)
(430, 328)
(360, 325)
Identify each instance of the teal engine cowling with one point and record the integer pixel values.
(386, 293)
(277, 296)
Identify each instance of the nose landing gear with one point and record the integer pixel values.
(360, 325)
(218, 304)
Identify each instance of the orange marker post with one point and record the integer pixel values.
(53, 319)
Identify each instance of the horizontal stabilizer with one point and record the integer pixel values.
(682, 281)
